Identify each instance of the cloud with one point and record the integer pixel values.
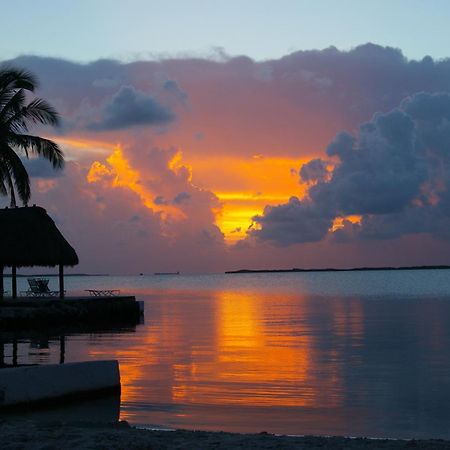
(314, 171)
(41, 168)
(294, 222)
(308, 97)
(181, 197)
(135, 218)
(395, 174)
(159, 200)
(130, 107)
(392, 172)
(106, 83)
(173, 87)
(114, 211)
(380, 172)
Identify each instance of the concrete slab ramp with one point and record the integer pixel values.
(48, 383)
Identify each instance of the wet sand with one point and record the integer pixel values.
(57, 435)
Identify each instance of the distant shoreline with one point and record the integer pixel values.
(353, 269)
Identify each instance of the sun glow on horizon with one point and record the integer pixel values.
(245, 186)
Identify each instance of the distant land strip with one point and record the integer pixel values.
(353, 269)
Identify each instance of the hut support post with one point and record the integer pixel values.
(62, 349)
(1, 282)
(61, 281)
(14, 281)
(14, 361)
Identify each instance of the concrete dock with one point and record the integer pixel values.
(47, 384)
(38, 312)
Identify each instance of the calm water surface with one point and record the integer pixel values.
(352, 353)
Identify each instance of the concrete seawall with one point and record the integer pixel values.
(34, 313)
(45, 384)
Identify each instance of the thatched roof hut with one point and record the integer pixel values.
(29, 237)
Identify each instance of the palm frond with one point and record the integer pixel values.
(6, 96)
(15, 118)
(3, 176)
(40, 146)
(39, 111)
(12, 108)
(11, 79)
(18, 176)
(12, 193)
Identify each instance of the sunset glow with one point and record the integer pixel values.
(271, 180)
(243, 212)
(338, 222)
(122, 175)
(237, 208)
(191, 156)
(246, 205)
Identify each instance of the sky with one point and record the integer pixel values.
(86, 30)
(208, 136)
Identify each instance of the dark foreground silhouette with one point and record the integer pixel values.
(33, 435)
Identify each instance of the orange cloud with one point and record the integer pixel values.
(76, 148)
(121, 174)
(244, 186)
(338, 222)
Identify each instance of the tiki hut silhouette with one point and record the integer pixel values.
(29, 237)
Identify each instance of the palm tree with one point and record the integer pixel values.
(17, 115)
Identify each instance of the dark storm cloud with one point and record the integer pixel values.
(130, 107)
(313, 171)
(379, 173)
(294, 221)
(364, 80)
(395, 174)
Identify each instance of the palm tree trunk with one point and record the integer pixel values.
(62, 349)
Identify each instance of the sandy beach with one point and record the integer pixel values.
(17, 435)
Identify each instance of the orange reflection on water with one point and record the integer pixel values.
(131, 371)
(239, 349)
(268, 357)
(250, 353)
(260, 357)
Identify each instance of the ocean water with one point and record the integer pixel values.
(328, 353)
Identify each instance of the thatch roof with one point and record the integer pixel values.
(29, 237)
